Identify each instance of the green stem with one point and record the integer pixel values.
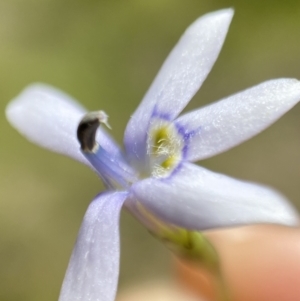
(195, 247)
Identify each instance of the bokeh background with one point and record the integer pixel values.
(105, 54)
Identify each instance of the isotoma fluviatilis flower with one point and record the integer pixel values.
(154, 177)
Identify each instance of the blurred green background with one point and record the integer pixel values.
(105, 54)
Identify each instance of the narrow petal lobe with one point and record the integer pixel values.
(49, 118)
(180, 77)
(228, 122)
(196, 198)
(92, 274)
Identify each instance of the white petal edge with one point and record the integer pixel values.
(49, 118)
(92, 274)
(228, 122)
(196, 198)
(181, 75)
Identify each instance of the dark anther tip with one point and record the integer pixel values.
(87, 128)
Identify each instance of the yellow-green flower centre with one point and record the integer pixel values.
(164, 147)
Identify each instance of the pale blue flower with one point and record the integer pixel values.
(154, 177)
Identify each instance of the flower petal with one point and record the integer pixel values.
(180, 77)
(93, 270)
(49, 118)
(196, 198)
(224, 124)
